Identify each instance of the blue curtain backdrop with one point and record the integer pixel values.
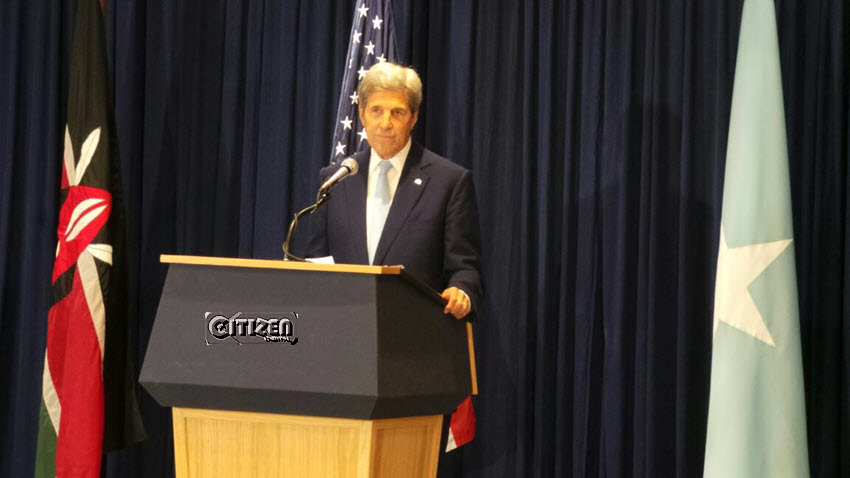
(596, 132)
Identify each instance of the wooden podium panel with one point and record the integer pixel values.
(216, 443)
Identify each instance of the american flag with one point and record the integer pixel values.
(372, 40)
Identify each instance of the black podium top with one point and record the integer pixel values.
(364, 341)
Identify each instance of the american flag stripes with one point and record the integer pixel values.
(462, 425)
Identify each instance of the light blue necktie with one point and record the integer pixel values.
(380, 208)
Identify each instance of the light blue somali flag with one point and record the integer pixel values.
(757, 415)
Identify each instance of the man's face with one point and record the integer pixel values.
(388, 121)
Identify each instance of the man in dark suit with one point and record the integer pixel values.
(407, 205)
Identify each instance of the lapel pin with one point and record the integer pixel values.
(417, 182)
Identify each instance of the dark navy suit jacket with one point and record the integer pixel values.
(431, 228)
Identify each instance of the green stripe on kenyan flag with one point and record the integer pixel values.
(45, 461)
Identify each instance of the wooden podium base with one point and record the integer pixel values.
(216, 443)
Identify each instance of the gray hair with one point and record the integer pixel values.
(386, 76)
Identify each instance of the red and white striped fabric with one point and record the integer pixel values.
(462, 426)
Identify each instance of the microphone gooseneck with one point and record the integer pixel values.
(348, 167)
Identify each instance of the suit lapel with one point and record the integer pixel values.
(406, 195)
(355, 196)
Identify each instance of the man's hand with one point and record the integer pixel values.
(459, 304)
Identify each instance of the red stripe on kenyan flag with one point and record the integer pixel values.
(75, 362)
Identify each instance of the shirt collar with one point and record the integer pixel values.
(397, 160)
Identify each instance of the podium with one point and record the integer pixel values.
(278, 368)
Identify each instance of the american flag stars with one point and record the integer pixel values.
(372, 40)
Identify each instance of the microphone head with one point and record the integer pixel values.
(351, 164)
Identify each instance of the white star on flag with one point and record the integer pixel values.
(371, 40)
(737, 267)
(340, 148)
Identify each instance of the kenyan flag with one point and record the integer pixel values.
(88, 395)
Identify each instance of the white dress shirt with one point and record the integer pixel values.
(393, 176)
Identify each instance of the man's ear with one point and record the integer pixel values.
(360, 113)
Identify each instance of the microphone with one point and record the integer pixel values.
(347, 168)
